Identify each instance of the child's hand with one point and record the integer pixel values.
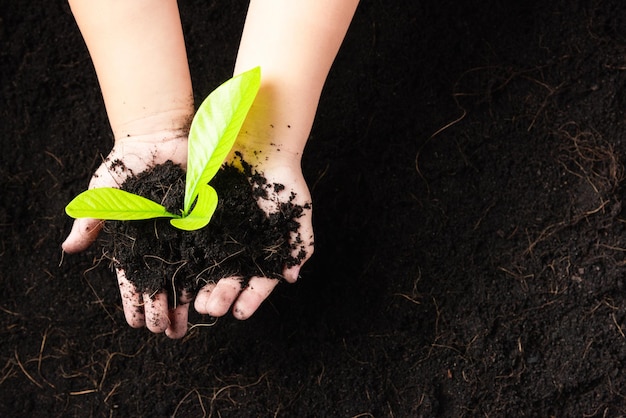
(216, 299)
(129, 156)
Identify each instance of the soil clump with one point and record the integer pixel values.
(240, 241)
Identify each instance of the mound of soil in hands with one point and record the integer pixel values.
(240, 241)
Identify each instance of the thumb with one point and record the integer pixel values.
(84, 232)
(302, 245)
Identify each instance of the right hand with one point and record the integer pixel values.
(133, 155)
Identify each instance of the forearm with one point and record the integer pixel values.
(295, 43)
(138, 51)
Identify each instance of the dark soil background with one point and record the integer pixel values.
(466, 168)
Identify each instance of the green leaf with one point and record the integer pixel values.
(114, 204)
(213, 132)
(214, 129)
(202, 211)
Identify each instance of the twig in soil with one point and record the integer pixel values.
(21, 366)
(347, 351)
(174, 283)
(409, 298)
(107, 364)
(551, 92)
(273, 250)
(598, 209)
(79, 374)
(587, 347)
(217, 264)
(7, 374)
(261, 270)
(99, 300)
(449, 124)
(320, 177)
(484, 215)
(151, 296)
(185, 397)
(6, 311)
(156, 231)
(543, 235)
(517, 276)
(594, 157)
(437, 132)
(95, 263)
(192, 326)
(619, 328)
(611, 247)
(414, 293)
(156, 257)
(169, 189)
(57, 159)
(40, 358)
(83, 392)
(112, 391)
(321, 375)
(613, 391)
(437, 319)
(228, 387)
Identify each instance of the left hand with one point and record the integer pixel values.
(216, 299)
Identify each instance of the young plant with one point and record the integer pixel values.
(212, 134)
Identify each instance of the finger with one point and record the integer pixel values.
(216, 299)
(259, 288)
(178, 322)
(302, 242)
(203, 296)
(132, 301)
(292, 273)
(84, 232)
(156, 311)
(179, 316)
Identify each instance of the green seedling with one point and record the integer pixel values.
(212, 134)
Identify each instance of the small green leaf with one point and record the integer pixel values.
(114, 204)
(213, 132)
(202, 211)
(214, 129)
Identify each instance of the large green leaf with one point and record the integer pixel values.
(114, 204)
(201, 213)
(214, 129)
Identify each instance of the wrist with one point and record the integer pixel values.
(134, 154)
(164, 125)
(266, 155)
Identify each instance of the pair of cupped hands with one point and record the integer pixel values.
(215, 299)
